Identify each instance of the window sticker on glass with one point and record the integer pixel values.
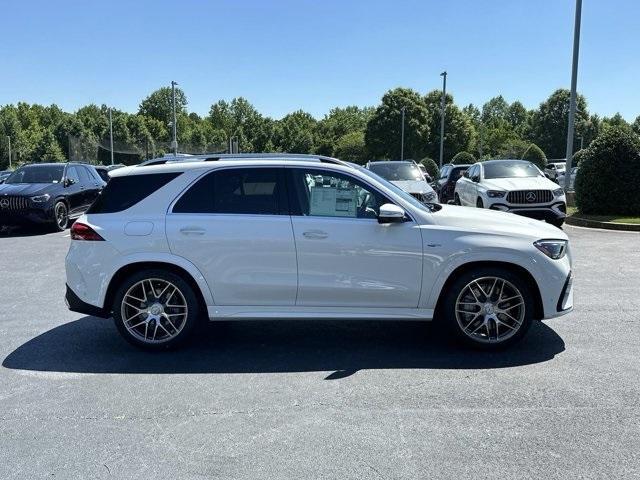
(333, 202)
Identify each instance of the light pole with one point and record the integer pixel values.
(402, 135)
(572, 98)
(174, 142)
(111, 134)
(444, 95)
(9, 138)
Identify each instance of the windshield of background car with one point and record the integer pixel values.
(37, 174)
(456, 173)
(398, 191)
(393, 171)
(509, 169)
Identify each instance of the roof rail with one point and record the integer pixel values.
(214, 157)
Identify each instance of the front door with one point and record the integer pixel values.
(233, 225)
(74, 191)
(345, 257)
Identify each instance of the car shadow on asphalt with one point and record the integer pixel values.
(92, 345)
(28, 231)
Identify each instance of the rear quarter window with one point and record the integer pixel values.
(122, 193)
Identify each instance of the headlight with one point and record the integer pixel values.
(558, 192)
(496, 193)
(41, 198)
(552, 248)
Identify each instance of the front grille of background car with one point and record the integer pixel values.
(13, 204)
(520, 196)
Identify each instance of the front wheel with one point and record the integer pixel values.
(557, 222)
(155, 310)
(456, 200)
(488, 308)
(479, 203)
(60, 216)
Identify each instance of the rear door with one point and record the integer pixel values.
(90, 184)
(234, 225)
(74, 191)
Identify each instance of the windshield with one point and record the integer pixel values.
(397, 171)
(398, 191)
(510, 169)
(37, 174)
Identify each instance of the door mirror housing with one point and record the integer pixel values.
(390, 213)
(475, 178)
(69, 181)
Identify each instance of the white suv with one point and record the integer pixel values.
(292, 236)
(515, 186)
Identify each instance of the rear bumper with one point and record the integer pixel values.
(76, 305)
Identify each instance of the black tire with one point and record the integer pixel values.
(456, 199)
(60, 216)
(186, 328)
(557, 222)
(447, 308)
(479, 203)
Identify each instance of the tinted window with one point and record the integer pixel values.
(103, 174)
(397, 171)
(72, 174)
(444, 172)
(456, 173)
(331, 194)
(510, 169)
(85, 177)
(37, 174)
(124, 192)
(251, 191)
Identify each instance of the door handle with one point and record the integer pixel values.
(315, 234)
(192, 231)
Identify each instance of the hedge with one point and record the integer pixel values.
(463, 157)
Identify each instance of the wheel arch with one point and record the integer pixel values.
(538, 309)
(132, 268)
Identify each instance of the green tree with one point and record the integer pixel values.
(578, 157)
(635, 126)
(549, 123)
(458, 128)
(383, 131)
(535, 155)
(431, 166)
(338, 123)
(295, 134)
(47, 149)
(351, 147)
(609, 172)
(159, 104)
(462, 158)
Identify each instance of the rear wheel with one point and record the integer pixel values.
(488, 308)
(60, 216)
(155, 310)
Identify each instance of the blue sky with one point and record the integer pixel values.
(314, 55)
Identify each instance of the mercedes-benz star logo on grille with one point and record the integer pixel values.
(531, 197)
(4, 203)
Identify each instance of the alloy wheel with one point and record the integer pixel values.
(490, 310)
(154, 310)
(62, 217)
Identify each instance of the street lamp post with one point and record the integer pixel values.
(111, 135)
(402, 135)
(9, 138)
(174, 143)
(442, 103)
(572, 98)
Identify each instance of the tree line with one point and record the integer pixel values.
(497, 129)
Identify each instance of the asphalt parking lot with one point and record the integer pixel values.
(320, 399)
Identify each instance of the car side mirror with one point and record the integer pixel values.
(547, 175)
(69, 181)
(390, 213)
(475, 179)
(465, 174)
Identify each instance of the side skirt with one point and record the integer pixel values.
(310, 313)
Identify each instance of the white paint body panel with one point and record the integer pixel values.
(264, 267)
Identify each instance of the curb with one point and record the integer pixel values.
(583, 222)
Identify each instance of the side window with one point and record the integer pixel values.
(445, 172)
(85, 176)
(72, 173)
(332, 194)
(249, 191)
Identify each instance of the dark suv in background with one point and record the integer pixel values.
(48, 194)
(445, 184)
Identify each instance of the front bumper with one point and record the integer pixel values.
(28, 216)
(554, 211)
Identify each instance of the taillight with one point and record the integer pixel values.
(81, 231)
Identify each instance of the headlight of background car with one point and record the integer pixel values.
(496, 193)
(41, 198)
(552, 248)
(558, 192)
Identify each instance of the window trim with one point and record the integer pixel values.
(284, 196)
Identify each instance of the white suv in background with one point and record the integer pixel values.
(515, 186)
(234, 237)
(407, 175)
